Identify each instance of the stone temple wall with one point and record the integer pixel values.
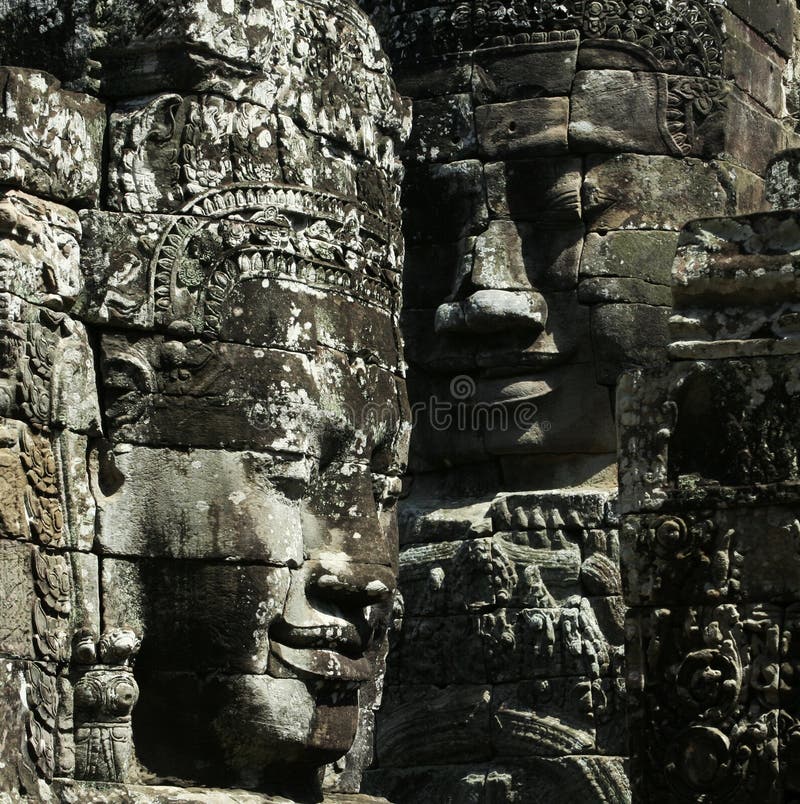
(557, 151)
(205, 404)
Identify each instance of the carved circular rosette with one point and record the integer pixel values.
(708, 684)
(700, 762)
(672, 539)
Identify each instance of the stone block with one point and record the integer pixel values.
(45, 490)
(72, 791)
(486, 574)
(743, 133)
(764, 555)
(614, 110)
(743, 460)
(512, 255)
(544, 190)
(39, 250)
(457, 784)
(50, 139)
(177, 273)
(443, 76)
(607, 289)
(77, 501)
(673, 656)
(741, 554)
(254, 494)
(16, 581)
(746, 261)
(425, 725)
(14, 491)
(643, 255)
(672, 558)
(782, 180)
(426, 348)
(518, 71)
(561, 410)
(654, 113)
(574, 510)
(18, 770)
(628, 335)
(444, 202)
(773, 19)
(195, 615)
(48, 597)
(237, 396)
(561, 779)
(432, 520)
(443, 130)
(47, 372)
(755, 67)
(423, 652)
(523, 128)
(168, 150)
(525, 472)
(632, 191)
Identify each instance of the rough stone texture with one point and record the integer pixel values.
(50, 139)
(72, 792)
(672, 112)
(205, 422)
(655, 113)
(709, 502)
(204, 414)
(523, 128)
(662, 192)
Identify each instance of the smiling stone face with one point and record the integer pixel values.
(557, 150)
(241, 286)
(256, 552)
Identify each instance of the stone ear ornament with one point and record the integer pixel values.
(104, 694)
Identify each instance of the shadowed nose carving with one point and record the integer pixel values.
(488, 311)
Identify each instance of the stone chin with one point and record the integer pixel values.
(266, 727)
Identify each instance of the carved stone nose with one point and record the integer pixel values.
(493, 311)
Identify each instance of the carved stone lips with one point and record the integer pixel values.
(316, 664)
(320, 652)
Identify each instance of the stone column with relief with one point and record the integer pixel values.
(710, 520)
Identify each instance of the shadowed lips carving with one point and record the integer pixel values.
(331, 653)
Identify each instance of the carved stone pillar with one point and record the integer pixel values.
(710, 528)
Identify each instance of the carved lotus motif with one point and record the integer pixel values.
(118, 646)
(53, 581)
(48, 524)
(39, 464)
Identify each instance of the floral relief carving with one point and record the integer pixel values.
(42, 499)
(682, 37)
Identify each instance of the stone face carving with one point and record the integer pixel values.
(202, 385)
(204, 415)
(557, 151)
